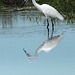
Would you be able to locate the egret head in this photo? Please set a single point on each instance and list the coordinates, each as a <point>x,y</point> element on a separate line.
<point>30,57</point>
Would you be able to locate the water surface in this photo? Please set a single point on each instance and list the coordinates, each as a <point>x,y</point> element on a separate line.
<point>27,29</point>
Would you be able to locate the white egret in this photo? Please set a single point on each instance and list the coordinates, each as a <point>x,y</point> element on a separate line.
<point>47,45</point>
<point>50,43</point>
<point>48,11</point>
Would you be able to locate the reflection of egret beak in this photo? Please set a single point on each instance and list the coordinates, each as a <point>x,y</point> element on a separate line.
<point>26,53</point>
<point>29,56</point>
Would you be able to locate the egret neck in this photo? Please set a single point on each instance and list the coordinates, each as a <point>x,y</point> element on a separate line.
<point>36,5</point>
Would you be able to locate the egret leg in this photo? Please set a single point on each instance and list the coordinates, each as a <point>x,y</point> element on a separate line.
<point>48,32</point>
<point>47,23</point>
<point>52,24</point>
<point>52,33</point>
<point>52,27</point>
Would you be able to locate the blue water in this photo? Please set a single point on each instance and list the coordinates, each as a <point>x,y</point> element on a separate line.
<point>27,29</point>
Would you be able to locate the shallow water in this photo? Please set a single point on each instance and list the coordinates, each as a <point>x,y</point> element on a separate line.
<point>27,29</point>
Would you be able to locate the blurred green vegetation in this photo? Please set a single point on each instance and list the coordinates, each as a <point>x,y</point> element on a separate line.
<point>60,5</point>
<point>0,3</point>
<point>65,6</point>
<point>12,2</point>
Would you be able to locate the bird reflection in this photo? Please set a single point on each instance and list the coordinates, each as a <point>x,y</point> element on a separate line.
<point>47,45</point>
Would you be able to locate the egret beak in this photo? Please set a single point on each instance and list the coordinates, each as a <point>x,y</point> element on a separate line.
<point>26,53</point>
<point>29,56</point>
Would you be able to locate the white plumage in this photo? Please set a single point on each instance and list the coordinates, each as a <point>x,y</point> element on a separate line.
<point>50,43</point>
<point>47,45</point>
<point>48,11</point>
<point>51,12</point>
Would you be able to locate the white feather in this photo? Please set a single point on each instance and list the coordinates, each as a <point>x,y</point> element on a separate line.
<point>48,11</point>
